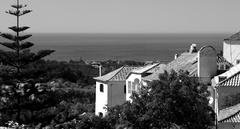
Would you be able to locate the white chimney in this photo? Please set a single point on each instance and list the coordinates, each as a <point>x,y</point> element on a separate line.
<point>176,56</point>
<point>193,48</point>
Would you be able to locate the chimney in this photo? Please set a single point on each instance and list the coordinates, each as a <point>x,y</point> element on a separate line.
<point>176,56</point>
<point>193,48</point>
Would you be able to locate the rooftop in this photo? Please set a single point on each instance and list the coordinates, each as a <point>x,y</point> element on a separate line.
<point>119,74</point>
<point>235,37</point>
<point>230,114</point>
<point>147,68</point>
<point>159,69</point>
<point>231,81</point>
<point>232,77</point>
<point>186,62</point>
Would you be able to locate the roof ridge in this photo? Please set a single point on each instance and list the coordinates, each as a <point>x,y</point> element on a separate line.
<point>228,78</point>
<point>230,116</point>
<point>154,66</point>
<point>229,108</point>
<point>117,72</point>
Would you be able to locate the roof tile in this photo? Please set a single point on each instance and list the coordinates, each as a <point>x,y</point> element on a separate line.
<point>230,114</point>
<point>222,60</point>
<point>119,74</point>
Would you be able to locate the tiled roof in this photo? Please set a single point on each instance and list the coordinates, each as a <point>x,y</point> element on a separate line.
<point>116,75</point>
<point>230,114</point>
<point>233,70</point>
<point>150,68</point>
<point>160,69</point>
<point>231,81</point>
<point>185,62</point>
<point>222,60</point>
<point>232,77</point>
<point>234,37</point>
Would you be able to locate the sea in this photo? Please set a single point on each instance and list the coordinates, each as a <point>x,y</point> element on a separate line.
<point>138,47</point>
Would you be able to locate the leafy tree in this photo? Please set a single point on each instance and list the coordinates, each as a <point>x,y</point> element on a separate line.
<point>20,96</point>
<point>175,100</point>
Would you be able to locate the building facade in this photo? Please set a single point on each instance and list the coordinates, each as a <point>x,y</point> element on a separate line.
<point>231,47</point>
<point>111,89</point>
<point>200,63</point>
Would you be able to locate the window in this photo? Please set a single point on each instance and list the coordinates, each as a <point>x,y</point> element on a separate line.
<point>136,84</point>
<point>101,88</point>
<point>238,61</point>
<point>133,87</point>
<point>227,67</point>
<point>138,87</point>
<point>222,78</point>
<point>221,67</point>
<point>125,89</point>
<point>129,87</point>
<point>100,114</point>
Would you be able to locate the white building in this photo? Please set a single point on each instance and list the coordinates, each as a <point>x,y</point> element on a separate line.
<point>231,47</point>
<point>134,79</point>
<point>111,89</point>
<point>227,85</point>
<point>201,64</point>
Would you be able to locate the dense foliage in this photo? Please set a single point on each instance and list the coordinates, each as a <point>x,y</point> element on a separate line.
<point>173,101</point>
<point>19,93</point>
<point>75,72</point>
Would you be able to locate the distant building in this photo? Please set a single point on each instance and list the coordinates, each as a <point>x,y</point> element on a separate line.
<point>231,47</point>
<point>111,89</point>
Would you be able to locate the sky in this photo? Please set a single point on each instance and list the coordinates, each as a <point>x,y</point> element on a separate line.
<point>127,16</point>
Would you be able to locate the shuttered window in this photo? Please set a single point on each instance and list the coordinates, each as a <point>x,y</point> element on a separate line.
<point>129,87</point>
<point>101,88</point>
<point>125,89</point>
<point>133,87</point>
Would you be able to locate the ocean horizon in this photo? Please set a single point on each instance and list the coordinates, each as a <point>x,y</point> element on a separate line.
<point>138,47</point>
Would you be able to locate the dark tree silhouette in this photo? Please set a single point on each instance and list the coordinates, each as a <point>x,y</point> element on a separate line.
<point>18,87</point>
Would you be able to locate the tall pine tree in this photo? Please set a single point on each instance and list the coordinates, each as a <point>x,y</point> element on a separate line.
<point>20,92</point>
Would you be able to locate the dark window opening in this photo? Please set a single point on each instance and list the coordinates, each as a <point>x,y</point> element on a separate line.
<point>100,114</point>
<point>125,89</point>
<point>227,67</point>
<point>101,87</point>
<point>222,78</point>
<point>222,67</point>
<point>238,61</point>
<point>146,74</point>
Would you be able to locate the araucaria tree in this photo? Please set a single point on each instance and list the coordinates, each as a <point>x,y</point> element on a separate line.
<point>20,91</point>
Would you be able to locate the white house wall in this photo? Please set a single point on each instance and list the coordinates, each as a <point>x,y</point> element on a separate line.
<point>224,92</point>
<point>131,78</point>
<point>207,63</point>
<point>101,98</point>
<point>231,51</point>
<point>228,126</point>
<point>116,95</point>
